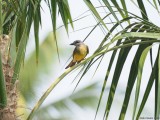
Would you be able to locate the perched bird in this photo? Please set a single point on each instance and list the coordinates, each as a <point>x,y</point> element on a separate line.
<point>79,53</point>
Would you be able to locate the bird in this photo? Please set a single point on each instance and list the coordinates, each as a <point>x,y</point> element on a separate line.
<point>80,52</point>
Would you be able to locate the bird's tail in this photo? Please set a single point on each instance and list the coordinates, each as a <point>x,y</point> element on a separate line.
<point>71,64</point>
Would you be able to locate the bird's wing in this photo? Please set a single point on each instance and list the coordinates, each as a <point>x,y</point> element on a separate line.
<point>75,50</point>
<point>87,50</point>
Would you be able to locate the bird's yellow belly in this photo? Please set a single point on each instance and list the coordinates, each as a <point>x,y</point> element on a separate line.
<point>80,54</point>
<point>79,57</point>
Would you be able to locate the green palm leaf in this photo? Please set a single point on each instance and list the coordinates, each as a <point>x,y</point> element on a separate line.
<point>148,88</point>
<point>139,77</point>
<point>17,18</point>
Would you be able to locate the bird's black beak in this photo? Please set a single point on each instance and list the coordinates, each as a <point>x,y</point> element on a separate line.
<point>72,44</point>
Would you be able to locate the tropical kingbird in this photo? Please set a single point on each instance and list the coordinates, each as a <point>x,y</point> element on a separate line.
<point>79,53</point>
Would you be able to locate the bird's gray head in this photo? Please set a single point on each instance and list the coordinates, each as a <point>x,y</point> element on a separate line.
<point>76,42</point>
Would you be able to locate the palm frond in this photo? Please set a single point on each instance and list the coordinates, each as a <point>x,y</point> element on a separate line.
<point>139,77</point>
<point>94,11</point>
<point>17,18</point>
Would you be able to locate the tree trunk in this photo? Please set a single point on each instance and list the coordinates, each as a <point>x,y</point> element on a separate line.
<point>9,112</point>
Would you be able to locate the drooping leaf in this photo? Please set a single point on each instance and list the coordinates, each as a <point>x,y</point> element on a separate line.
<point>36,34</point>
<point>20,56</point>
<point>106,2</point>
<point>158,89</point>
<point>94,11</point>
<point>148,88</point>
<point>108,70</point>
<point>131,81</point>
<point>118,7</point>
<point>106,78</point>
<point>112,29</point>
<point>132,77</point>
<point>124,7</point>
<point>155,4</point>
<point>142,8</point>
<point>18,32</point>
<point>139,77</point>
<point>119,66</point>
<point>65,15</point>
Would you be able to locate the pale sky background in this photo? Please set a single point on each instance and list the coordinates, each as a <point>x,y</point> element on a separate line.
<point>65,88</point>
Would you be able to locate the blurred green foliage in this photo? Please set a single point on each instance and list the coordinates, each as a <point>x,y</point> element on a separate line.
<point>31,71</point>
